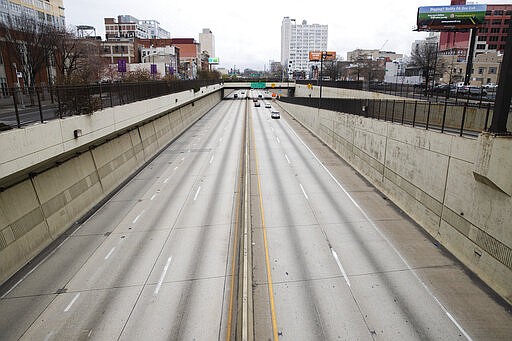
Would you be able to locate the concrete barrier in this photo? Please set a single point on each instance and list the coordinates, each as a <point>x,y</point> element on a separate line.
<point>81,173</point>
<point>458,189</point>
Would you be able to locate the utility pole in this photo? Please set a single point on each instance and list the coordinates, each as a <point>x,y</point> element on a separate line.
<point>504,93</point>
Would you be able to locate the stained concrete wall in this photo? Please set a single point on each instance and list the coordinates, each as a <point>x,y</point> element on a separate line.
<point>458,189</point>
<point>41,207</point>
<point>302,90</point>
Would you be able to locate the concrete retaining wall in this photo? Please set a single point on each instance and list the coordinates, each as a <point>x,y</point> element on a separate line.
<point>37,210</point>
<point>458,189</point>
<point>302,90</point>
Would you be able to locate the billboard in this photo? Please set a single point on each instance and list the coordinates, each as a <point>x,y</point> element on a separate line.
<point>213,60</point>
<point>446,18</point>
<point>315,56</point>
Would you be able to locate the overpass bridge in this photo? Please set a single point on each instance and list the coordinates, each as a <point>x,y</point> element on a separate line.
<point>186,216</point>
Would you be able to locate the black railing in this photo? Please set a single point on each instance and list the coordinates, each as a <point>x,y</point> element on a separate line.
<point>38,104</point>
<point>355,85</point>
<point>462,119</point>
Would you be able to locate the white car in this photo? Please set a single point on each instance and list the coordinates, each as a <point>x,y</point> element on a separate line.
<point>275,114</point>
<point>267,105</point>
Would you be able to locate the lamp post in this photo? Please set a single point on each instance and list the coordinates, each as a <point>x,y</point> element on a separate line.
<point>323,56</point>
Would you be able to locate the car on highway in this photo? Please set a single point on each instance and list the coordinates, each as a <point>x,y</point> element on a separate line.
<point>235,96</point>
<point>256,104</point>
<point>275,114</point>
<point>267,105</point>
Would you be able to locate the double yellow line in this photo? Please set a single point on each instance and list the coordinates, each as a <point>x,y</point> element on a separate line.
<point>265,242</point>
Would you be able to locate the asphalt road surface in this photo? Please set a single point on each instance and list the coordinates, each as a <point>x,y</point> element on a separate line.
<point>332,258</point>
<point>155,262</point>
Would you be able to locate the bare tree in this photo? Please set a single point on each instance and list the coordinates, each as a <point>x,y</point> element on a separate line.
<point>330,68</point>
<point>68,51</point>
<point>29,43</point>
<point>424,57</point>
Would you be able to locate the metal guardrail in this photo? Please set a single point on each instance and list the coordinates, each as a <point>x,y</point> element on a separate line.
<point>20,106</point>
<point>463,119</point>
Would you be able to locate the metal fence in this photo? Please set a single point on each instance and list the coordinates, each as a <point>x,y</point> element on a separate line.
<point>463,118</point>
<point>20,106</point>
<point>456,95</point>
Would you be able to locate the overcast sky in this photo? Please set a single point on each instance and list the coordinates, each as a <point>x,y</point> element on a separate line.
<point>248,34</point>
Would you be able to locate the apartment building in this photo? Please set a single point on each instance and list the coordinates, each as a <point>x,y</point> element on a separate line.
<point>129,27</point>
<point>297,40</point>
<point>491,37</point>
<point>49,11</point>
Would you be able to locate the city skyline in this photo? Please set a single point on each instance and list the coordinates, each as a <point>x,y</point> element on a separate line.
<point>252,38</point>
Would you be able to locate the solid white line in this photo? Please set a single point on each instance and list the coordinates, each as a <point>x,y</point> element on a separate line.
<point>72,302</point>
<point>287,159</point>
<point>162,276</point>
<point>197,193</point>
<point>367,218</point>
<point>167,179</point>
<point>137,217</point>
<point>211,160</point>
<point>303,191</point>
<point>335,255</point>
<point>110,253</point>
<point>153,197</point>
<point>278,141</point>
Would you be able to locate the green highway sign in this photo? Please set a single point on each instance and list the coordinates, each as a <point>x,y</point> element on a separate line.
<point>258,85</point>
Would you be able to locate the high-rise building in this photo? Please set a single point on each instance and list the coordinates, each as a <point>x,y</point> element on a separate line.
<point>297,40</point>
<point>50,11</point>
<point>207,42</point>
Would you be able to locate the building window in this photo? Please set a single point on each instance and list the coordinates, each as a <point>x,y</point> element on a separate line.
<point>495,30</point>
<point>481,70</point>
<point>493,47</point>
<point>492,70</point>
<point>498,12</point>
<point>480,46</point>
<point>496,22</point>
<point>502,47</point>
<point>493,38</point>
<point>482,38</point>
<point>483,30</point>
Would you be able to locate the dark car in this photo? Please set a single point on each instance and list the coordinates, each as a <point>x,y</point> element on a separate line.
<point>275,114</point>
<point>256,104</point>
<point>441,89</point>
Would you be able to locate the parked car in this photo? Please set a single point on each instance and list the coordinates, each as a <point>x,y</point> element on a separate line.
<point>476,91</point>
<point>490,86</point>
<point>441,89</point>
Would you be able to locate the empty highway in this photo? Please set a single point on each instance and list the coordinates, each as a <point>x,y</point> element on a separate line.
<point>332,259</point>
